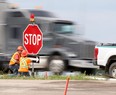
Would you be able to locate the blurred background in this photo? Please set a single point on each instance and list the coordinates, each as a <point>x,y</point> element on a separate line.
<point>95,18</point>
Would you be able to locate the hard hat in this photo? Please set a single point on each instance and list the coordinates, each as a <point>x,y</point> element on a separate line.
<point>24,53</point>
<point>20,48</point>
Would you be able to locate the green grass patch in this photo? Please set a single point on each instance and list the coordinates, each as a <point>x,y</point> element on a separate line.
<point>53,77</point>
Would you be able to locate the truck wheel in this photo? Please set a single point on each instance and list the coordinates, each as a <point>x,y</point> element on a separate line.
<point>5,68</point>
<point>56,64</point>
<point>112,70</point>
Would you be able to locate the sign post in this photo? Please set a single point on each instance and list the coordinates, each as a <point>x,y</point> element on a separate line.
<point>32,39</point>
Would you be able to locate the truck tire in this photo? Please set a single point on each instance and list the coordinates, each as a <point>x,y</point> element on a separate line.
<point>5,67</point>
<point>56,64</point>
<point>112,70</point>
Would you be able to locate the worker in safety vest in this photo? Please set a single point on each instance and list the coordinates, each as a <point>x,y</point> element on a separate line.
<point>14,62</point>
<point>24,64</point>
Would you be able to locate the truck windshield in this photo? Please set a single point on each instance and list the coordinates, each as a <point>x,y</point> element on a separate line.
<point>41,13</point>
<point>64,28</point>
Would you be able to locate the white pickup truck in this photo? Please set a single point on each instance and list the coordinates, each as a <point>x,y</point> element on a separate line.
<point>105,57</point>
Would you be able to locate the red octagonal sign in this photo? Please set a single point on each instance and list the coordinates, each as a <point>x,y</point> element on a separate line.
<point>32,39</point>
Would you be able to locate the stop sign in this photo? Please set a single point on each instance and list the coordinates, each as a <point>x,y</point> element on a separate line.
<point>32,39</point>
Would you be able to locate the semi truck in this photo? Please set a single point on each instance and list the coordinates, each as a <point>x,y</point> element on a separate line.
<point>62,47</point>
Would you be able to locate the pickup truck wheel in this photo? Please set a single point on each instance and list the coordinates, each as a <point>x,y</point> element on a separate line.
<point>112,70</point>
<point>56,64</point>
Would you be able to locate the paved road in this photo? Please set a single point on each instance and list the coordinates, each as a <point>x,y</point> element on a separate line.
<point>54,87</point>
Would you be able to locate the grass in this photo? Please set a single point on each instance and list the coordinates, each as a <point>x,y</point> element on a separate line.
<point>77,76</point>
<point>53,77</point>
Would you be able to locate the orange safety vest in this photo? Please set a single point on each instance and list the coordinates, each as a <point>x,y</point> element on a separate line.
<point>13,60</point>
<point>24,64</point>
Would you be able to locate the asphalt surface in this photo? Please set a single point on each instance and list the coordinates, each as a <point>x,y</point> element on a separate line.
<point>56,87</point>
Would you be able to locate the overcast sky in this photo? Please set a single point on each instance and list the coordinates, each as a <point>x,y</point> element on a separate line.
<point>96,18</point>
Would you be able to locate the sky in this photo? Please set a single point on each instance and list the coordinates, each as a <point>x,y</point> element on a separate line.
<point>95,18</point>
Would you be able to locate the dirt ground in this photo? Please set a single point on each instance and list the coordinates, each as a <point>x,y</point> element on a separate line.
<point>56,87</point>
